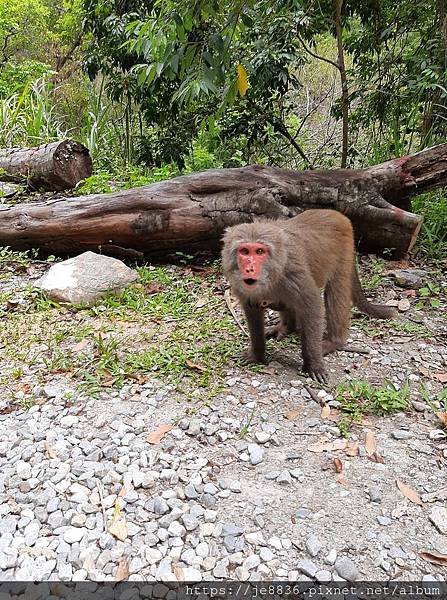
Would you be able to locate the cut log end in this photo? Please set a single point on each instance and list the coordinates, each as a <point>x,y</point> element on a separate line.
<point>55,166</point>
<point>72,164</point>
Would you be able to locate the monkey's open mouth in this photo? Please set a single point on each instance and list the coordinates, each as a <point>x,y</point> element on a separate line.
<point>250,281</point>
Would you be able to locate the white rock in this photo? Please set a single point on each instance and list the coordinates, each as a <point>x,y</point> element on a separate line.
<point>85,278</point>
<point>74,534</point>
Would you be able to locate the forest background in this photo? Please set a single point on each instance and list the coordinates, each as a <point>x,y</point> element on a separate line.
<point>159,88</point>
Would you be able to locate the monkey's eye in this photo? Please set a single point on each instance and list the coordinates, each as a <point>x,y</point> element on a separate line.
<point>244,251</point>
<point>260,251</point>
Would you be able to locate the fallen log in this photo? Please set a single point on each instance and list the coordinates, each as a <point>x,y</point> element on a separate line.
<point>189,213</point>
<point>51,167</point>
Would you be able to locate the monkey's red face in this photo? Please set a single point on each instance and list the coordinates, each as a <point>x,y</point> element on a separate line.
<point>250,259</point>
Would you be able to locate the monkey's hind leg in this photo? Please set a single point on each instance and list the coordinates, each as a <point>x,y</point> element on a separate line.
<point>286,325</point>
<point>337,301</point>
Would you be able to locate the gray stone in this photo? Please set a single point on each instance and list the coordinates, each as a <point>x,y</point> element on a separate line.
<point>331,557</point>
<point>194,427</point>
<point>191,492</point>
<point>208,500</point>
<point>230,543</point>
<point>74,534</point>
<point>410,278</point>
<point>266,554</point>
<point>256,454</point>
<point>284,477</point>
<point>307,567</point>
<point>262,437</point>
<point>303,513</point>
<point>231,529</point>
<point>438,516</point>
<point>210,488</point>
<point>313,545</point>
<point>191,575</point>
<point>160,506</point>
<point>31,533</point>
<point>401,434</point>
<point>190,522</point>
<point>323,576</point>
<point>251,562</point>
<point>346,568</point>
<point>374,494</point>
<point>85,278</point>
<point>220,570</point>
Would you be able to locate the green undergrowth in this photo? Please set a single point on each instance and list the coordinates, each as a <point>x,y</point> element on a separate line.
<point>432,240</point>
<point>359,398</point>
<point>166,325</point>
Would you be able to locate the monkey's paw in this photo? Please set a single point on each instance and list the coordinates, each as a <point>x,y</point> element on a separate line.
<point>317,372</point>
<point>249,358</point>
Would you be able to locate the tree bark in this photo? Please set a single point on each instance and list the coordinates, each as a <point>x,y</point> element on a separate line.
<point>189,213</point>
<point>50,167</point>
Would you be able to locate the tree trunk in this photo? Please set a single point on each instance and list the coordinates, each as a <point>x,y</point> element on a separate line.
<point>50,167</point>
<point>189,213</point>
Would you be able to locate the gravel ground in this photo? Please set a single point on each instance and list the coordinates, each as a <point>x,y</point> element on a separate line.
<point>232,490</point>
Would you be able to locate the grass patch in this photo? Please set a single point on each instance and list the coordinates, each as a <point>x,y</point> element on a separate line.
<point>166,325</point>
<point>409,328</point>
<point>440,397</point>
<point>432,239</point>
<point>359,398</point>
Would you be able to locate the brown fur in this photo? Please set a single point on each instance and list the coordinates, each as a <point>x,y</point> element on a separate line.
<point>307,253</point>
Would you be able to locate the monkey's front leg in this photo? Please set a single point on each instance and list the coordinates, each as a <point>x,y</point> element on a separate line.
<point>255,322</point>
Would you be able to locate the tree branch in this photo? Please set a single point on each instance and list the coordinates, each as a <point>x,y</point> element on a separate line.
<point>317,56</point>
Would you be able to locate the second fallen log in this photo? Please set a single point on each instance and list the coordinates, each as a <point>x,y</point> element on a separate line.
<point>51,167</point>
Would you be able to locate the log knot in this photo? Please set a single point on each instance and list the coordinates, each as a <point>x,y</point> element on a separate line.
<point>150,222</point>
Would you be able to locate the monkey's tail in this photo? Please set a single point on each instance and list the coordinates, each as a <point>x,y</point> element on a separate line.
<point>379,311</point>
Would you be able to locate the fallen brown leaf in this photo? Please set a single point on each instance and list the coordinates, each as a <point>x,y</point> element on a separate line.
<point>408,492</point>
<point>267,370</point>
<point>376,458</point>
<point>194,366</point>
<point>8,409</point>
<point>338,465</point>
<point>352,449</point>
<point>434,557</point>
<point>201,303</point>
<point>118,524</point>
<point>325,412</point>
<point>335,415</point>
<point>442,377</point>
<point>328,446</point>
<point>178,572</point>
<point>80,346</point>
<point>410,293</point>
<point>158,434</point>
<point>292,414</point>
<point>370,443</point>
<point>424,371</point>
<point>122,571</point>
<point>154,288</point>
<point>442,416</point>
<point>49,450</point>
<point>343,481</point>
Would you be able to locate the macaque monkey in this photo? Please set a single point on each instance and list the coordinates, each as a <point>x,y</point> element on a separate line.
<point>284,265</point>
